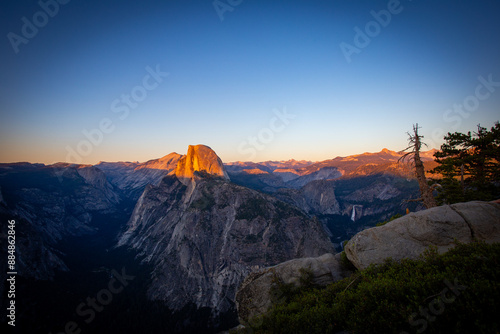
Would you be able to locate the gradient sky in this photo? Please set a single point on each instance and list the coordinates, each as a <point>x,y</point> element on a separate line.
<point>227,79</point>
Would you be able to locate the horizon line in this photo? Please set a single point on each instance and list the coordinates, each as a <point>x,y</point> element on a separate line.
<point>229,162</point>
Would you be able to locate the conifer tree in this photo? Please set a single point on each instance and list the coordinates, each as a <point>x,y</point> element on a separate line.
<point>470,165</point>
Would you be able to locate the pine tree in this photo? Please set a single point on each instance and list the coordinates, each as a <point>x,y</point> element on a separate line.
<point>415,144</point>
<point>470,165</point>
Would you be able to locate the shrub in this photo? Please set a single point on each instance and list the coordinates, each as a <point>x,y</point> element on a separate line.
<point>393,297</point>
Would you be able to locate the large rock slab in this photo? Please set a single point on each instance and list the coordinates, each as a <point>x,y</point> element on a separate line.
<point>483,219</point>
<point>409,236</point>
<point>258,291</point>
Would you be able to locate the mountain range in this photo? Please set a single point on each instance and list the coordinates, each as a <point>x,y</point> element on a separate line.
<point>195,225</point>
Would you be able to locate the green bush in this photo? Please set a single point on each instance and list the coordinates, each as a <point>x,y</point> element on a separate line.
<point>398,297</point>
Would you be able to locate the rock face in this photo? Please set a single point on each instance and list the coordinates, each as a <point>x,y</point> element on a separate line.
<point>199,158</point>
<point>409,236</point>
<point>379,191</point>
<point>204,235</point>
<point>259,290</point>
<point>315,197</point>
<point>96,178</point>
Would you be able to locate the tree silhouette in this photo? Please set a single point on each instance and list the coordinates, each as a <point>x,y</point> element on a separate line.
<point>470,165</point>
<point>415,144</point>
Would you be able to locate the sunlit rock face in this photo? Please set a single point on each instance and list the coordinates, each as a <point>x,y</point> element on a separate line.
<point>202,159</point>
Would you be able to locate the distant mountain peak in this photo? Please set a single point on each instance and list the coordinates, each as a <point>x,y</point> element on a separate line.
<point>167,162</point>
<point>199,158</point>
<point>429,154</point>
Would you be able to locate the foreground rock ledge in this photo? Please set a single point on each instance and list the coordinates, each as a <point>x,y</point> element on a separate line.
<point>409,236</point>
<point>255,295</point>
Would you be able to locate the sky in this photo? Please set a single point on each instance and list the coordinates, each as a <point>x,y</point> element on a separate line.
<point>109,80</point>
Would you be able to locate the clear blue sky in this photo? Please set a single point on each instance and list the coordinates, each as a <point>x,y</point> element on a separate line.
<point>227,79</point>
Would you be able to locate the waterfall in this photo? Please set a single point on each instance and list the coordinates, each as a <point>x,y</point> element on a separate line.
<point>353,215</point>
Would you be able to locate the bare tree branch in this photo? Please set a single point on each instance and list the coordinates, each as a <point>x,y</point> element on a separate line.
<point>415,143</point>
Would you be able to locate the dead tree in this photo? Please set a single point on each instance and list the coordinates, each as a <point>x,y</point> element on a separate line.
<point>415,143</point>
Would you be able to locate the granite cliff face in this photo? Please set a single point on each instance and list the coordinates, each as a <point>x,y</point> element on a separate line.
<point>199,159</point>
<point>204,234</point>
<point>317,197</point>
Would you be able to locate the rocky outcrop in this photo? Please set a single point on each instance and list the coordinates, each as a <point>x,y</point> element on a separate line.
<point>199,159</point>
<point>203,237</point>
<point>409,236</point>
<point>259,291</point>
